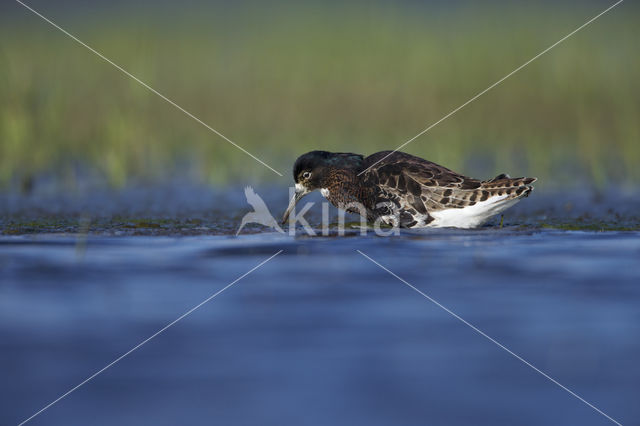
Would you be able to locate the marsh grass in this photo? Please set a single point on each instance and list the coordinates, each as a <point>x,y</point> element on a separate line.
<point>281,80</point>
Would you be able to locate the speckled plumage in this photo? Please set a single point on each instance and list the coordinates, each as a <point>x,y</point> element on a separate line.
<point>407,191</point>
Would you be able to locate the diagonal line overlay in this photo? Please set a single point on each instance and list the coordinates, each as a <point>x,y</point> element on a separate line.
<point>494,84</point>
<point>162,330</point>
<point>491,339</point>
<point>145,85</point>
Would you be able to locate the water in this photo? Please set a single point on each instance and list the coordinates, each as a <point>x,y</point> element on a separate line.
<point>319,334</point>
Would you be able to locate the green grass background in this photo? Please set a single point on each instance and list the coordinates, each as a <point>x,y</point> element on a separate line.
<point>281,79</point>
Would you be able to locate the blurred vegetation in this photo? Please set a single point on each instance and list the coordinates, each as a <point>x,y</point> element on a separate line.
<point>280,80</point>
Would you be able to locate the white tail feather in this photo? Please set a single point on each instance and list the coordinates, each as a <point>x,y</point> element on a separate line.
<point>472,216</point>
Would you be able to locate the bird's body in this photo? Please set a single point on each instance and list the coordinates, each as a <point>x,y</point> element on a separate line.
<point>403,190</point>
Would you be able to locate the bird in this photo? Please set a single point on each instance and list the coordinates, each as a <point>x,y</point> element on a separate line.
<point>402,190</point>
<point>261,213</point>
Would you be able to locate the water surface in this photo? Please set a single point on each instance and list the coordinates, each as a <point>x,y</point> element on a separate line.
<point>321,335</point>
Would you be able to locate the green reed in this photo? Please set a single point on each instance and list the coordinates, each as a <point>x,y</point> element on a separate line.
<point>284,80</point>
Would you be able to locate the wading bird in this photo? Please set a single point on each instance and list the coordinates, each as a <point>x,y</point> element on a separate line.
<point>402,190</point>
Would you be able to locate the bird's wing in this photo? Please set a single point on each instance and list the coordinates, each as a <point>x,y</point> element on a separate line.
<point>254,199</point>
<point>427,186</point>
<point>261,208</point>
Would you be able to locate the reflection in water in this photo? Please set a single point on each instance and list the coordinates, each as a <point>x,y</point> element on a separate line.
<point>320,335</point>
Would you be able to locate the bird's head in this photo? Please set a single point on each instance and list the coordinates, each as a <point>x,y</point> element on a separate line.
<point>311,170</point>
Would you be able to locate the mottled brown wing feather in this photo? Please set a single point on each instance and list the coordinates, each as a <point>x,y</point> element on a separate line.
<point>427,186</point>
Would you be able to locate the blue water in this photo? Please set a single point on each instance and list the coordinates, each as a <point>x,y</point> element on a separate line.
<point>320,335</point>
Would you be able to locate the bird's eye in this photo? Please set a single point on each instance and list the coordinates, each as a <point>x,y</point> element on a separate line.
<point>306,175</point>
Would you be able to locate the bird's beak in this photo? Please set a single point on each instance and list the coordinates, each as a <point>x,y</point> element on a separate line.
<point>301,191</point>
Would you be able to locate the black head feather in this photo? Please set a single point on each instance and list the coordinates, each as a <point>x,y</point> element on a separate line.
<point>317,162</point>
